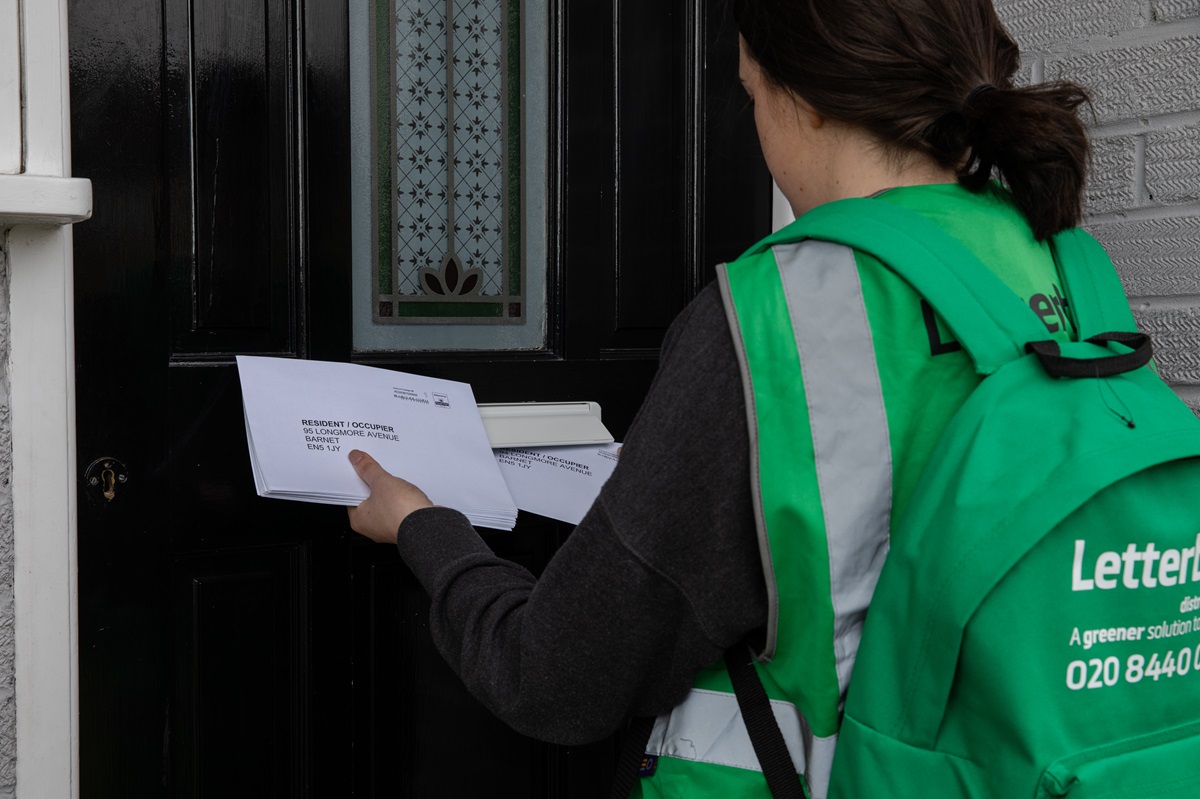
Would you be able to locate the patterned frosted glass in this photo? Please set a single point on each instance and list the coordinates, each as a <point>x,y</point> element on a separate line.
<point>448,202</point>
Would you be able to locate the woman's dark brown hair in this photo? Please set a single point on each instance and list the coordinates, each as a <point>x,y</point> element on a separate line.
<point>936,77</point>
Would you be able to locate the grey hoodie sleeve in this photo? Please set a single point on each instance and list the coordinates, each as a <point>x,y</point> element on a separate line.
<point>660,577</point>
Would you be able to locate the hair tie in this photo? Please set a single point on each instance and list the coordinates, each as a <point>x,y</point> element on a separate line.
<point>974,93</point>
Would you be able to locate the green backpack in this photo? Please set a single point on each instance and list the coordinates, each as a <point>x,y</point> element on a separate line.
<point>1036,628</point>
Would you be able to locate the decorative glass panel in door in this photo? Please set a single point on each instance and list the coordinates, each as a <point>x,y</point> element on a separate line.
<point>448,106</point>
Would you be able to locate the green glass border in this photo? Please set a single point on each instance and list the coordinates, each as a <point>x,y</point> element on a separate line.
<point>382,33</point>
<point>438,310</point>
<point>514,210</point>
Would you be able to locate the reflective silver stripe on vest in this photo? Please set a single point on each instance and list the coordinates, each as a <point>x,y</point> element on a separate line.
<point>850,435</point>
<point>854,473</point>
<point>820,766</point>
<point>707,727</point>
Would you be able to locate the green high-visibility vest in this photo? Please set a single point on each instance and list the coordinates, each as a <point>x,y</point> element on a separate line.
<point>823,473</point>
<point>824,494</point>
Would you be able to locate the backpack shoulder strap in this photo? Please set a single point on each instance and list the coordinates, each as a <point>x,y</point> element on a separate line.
<point>986,316</point>
<point>1097,296</point>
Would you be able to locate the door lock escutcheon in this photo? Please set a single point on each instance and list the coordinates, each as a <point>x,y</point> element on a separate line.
<point>103,478</point>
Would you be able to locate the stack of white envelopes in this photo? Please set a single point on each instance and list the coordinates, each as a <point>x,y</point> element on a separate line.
<point>304,417</point>
<point>558,482</point>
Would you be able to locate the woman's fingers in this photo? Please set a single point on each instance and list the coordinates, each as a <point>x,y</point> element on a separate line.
<point>391,500</point>
<point>368,468</point>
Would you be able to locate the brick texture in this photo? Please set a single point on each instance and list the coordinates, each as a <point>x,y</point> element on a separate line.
<point>1172,10</point>
<point>1173,165</point>
<point>1024,73</point>
<point>1176,335</point>
<point>1193,403</point>
<point>1040,24</point>
<point>8,699</point>
<point>1155,257</point>
<point>1136,81</point>
<point>1111,182</point>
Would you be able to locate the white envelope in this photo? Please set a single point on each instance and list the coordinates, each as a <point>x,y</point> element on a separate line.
<point>304,417</point>
<point>559,482</point>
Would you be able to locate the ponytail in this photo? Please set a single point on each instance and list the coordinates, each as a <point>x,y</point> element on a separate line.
<point>918,75</point>
<point>1033,139</point>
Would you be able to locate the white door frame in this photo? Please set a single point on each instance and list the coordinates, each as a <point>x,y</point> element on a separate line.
<point>38,201</point>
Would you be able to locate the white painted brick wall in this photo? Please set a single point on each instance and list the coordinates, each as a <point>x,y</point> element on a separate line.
<point>1173,165</point>
<point>1170,10</point>
<point>1176,334</point>
<point>1137,80</point>
<point>1115,163</point>
<point>1155,257</point>
<point>8,699</point>
<point>1041,24</point>
<point>1141,61</point>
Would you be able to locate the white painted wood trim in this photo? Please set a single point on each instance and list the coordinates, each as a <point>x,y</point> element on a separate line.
<point>47,113</point>
<point>42,374</point>
<point>10,88</point>
<point>41,369</point>
<point>42,200</point>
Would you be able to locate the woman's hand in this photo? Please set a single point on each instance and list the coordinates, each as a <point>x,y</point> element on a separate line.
<point>391,500</point>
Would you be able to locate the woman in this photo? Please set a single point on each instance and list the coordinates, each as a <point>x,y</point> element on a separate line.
<point>908,101</point>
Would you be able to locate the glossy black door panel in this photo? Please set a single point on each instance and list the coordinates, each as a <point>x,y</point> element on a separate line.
<point>235,646</point>
<point>241,673</point>
<point>231,90</point>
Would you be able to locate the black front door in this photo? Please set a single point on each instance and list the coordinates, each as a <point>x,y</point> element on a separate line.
<point>237,646</point>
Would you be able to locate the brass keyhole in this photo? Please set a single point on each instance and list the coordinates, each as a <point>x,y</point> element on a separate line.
<point>102,477</point>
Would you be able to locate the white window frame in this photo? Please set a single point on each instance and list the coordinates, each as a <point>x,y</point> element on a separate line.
<point>38,202</point>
